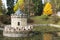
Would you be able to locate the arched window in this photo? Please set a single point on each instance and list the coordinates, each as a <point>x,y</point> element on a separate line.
<point>18,23</point>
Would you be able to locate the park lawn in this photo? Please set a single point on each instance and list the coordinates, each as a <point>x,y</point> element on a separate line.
<point>43,20</point>
<point>40,20</point>
<point>46,29</point>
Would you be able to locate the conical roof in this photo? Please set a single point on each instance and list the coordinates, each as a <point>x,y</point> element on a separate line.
<point>18,12</point>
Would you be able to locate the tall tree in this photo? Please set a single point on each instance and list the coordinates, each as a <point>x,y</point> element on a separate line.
<point>56,3</point>
<point>30,6</point>
<point>47,9</point>
<point>34,7</point>
<point>0,6</point>
<point>19,4</point>
<point>38,7</point>
<point>10,5</point>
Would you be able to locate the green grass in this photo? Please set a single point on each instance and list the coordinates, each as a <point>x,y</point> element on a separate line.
<point>39,20</point>
<point>46,20</point>
<point>46,29</point>
<point>42,20</point>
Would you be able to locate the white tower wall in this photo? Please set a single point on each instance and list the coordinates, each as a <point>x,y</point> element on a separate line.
<point>23,22</point>
<point>16,19</point>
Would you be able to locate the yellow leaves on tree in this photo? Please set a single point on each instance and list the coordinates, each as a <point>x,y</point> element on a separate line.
<point>19,4</point>
<point>47,9</point>
<point>16,7</point>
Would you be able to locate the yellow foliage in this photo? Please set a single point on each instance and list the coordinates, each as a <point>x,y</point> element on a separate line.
<point>47,9</point>
<point>16,7</point>
<point>19,4</point>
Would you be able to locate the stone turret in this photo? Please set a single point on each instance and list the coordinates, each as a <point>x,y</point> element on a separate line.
<point>18,25</point>
<point>19,19</point>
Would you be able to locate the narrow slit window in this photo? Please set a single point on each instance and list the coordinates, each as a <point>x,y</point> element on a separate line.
<point>18,23</point>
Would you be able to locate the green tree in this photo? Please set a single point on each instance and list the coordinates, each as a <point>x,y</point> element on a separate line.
<point>38,7</point>
<point>10,5</point>
<point>0,7</point>
<point>33,6</point>
<point>56,3</point>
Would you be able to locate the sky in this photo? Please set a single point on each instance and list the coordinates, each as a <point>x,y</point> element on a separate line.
<point>43,1</point>
<point>4,2</point>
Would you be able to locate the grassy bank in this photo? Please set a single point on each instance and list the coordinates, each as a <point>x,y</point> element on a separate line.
<point>46,20</point>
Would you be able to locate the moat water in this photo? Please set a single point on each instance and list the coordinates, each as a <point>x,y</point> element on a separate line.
<point>37,36</point>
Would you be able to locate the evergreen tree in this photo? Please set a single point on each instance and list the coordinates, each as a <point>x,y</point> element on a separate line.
<point>10,5</point>
<point>38,7</point>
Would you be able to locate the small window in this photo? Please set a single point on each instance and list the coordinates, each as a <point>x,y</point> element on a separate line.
<point>18,23</point>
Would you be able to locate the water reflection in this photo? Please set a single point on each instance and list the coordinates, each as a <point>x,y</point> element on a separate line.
<point>36,36</point>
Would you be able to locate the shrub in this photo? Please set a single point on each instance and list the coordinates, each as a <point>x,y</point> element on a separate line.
<point>44,17</point>
<point>30,21</point>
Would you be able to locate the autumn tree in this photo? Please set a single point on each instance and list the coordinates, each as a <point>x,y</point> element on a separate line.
<point>47,9</point>
<point>30,6</point>
<point>19,4</point>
